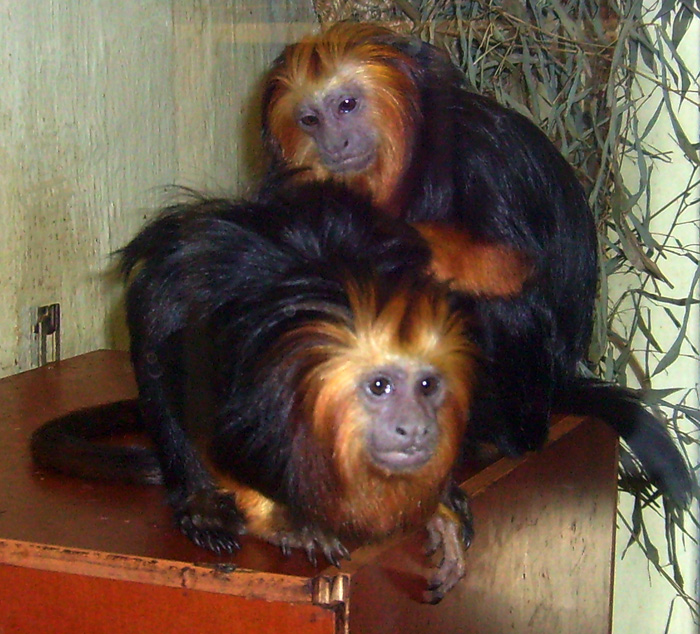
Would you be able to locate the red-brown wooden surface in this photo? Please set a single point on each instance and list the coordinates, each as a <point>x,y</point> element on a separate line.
<point>86,557</point>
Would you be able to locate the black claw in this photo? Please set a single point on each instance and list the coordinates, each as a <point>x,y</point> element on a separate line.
<point>332,558</point>
<point>434,597</point>
<point>311,555</point>
<point>219,543</point>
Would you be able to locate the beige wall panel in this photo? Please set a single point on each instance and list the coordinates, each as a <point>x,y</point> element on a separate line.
<point>84,134</point>
<point>103,106</point>
<point>222,50</point>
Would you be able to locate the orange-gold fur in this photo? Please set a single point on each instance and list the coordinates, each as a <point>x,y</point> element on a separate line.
<point>317,64</point>
<point>414,329</point>
<point>491,270</point>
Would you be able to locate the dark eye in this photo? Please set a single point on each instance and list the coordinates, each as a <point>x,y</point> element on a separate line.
<point>380,386</point>
<point>347,105</point>
<point>309,120</point>
<point>428,385</point>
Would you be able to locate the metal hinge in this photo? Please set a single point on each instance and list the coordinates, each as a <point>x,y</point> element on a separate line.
<point>46,334</point>
<point>332,592</point>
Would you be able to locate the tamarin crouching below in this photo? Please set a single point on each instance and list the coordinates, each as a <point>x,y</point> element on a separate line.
<point>339,378</point>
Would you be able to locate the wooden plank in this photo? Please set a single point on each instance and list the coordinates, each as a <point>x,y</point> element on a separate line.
<point>105,106</point>
<point>220,577</point>
<point>87,141</point>
<point>50,509</point>
<point>59,603</point>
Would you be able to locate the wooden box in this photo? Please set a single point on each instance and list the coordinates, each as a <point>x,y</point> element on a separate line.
<point>78,557</point>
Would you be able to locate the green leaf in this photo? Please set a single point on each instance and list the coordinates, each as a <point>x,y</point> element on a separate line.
<point>689,149</point>
<point>674,351</point>
<point>686,78</point>
<point>658,396</point>
<point>648,334</point>
<point>681,23</point>
<point>667,7</point>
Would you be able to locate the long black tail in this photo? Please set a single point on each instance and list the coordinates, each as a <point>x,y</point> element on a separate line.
<point>646,435</point>
<point>71,445</point>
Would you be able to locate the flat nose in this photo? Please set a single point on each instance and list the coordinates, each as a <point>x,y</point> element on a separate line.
<point>412,430</point>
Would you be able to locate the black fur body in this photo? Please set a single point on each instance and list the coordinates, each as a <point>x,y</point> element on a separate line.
<point>489,171</point>
<point>216,292</point>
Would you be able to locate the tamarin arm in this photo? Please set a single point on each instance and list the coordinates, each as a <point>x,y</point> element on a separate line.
<point>451,533</point>
<point>477,268</point>
<point>269,520</point>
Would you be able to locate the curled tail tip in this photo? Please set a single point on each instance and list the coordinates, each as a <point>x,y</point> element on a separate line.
<point>689,493</point>
<point>662,463</point>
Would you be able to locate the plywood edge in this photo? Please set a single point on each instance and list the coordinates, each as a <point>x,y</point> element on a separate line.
<point>501,467</point>
<point>214,578</point>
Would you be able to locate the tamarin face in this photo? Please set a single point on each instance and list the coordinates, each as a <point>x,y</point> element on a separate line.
<point>344,105</point>
<point>386,394</point>
<point>403,402</point>
<point>336,119</point>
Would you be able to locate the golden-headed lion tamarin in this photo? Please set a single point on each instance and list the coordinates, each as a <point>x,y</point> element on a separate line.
<point>390,116</point>
<point>339,378</point>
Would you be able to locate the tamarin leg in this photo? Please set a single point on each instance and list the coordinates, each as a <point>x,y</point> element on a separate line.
<point>205,514</point>
<point>486,270</point>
